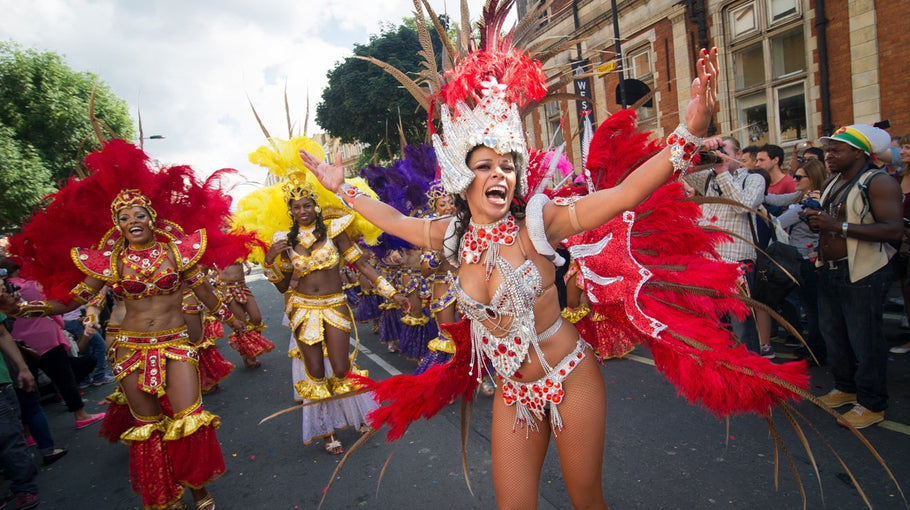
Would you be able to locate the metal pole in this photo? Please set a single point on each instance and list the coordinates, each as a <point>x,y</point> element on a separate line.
<point>619,64</point>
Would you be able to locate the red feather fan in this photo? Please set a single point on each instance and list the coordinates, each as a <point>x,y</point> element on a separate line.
<point>665,286</point>
<point>79,215</point>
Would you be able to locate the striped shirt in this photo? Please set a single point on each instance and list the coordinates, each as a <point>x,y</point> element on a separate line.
<point>741,186</point>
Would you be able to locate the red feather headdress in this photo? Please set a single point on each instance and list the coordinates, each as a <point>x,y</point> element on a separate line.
<point>79,215</point>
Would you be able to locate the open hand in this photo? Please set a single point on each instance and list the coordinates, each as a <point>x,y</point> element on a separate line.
<point>274,250</point>
<point>704,93</point>
<point>329,176</point>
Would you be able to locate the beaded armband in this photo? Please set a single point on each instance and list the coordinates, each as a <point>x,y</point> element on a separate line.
<point>384,288</point>
<point>348,193</point>
<point>271,272</point>
<point>683,146</point>
<point>352,254</point>
<point>194,279</point>
<point>222,312</point>
<point>82,293</point>
<point>32,309</point>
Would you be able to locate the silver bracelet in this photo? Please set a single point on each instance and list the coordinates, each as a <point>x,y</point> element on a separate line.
<point>348,193</point>
<point>683,147</point>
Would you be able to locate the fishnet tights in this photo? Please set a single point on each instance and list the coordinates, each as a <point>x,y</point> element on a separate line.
<point>517,461</point>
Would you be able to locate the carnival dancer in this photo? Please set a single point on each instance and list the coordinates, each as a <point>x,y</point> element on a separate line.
<point>145,258</point>
<point>350,284</point>
<point>320,319</point>
<point>213,368</point>
<point>505,255</point>
<point>390,315</point>
<point>232,288</point>
<point>368,311</point>
<point>304,264</point>
<point>404,186</point>
<point>442,303</point>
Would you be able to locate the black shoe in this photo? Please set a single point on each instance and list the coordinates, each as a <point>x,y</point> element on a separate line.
<point>54,456</point>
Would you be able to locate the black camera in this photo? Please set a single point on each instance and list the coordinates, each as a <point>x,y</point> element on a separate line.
<point>708,158</point>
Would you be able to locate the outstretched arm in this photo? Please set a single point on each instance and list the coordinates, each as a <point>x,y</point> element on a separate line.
<point>81,293</point>
<point>600,207</point>
<point>418,232</point>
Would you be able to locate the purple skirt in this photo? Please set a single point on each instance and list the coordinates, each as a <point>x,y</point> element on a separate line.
<point>414,340</point>
<point>367,308</point>
<point>353,298</point>
<point>432,359</point>
<point>390,325</point>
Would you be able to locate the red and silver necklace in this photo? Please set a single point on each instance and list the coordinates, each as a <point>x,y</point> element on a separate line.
<point>479,238</point>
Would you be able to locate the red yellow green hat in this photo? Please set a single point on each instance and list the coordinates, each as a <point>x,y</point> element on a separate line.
<point>864,137</point>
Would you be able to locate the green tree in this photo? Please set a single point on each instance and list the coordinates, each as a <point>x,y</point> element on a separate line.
<point>364,103</point>
<point>46,105</point>
<point>24,180</point>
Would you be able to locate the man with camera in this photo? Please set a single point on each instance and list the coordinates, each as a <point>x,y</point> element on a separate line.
<point>860,213</point>
<point>727,179</point>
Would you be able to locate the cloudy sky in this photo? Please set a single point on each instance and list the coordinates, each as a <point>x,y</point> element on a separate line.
<point>189,66</point>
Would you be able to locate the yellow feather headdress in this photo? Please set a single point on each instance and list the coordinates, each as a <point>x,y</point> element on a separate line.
<point>265,210</point>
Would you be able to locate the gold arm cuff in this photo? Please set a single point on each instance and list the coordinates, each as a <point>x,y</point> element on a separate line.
<point>82,293</point>
<point>384,288</point>
<point>271,272</point>
<point>352,254</point>
<point>32,309</point>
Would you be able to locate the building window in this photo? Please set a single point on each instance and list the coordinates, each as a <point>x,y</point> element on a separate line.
<point>769,71</point>
<point>554,117</point>
<point>639,66</point>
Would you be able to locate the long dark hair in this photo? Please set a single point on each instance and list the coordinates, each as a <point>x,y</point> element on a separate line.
<point>319,231</point>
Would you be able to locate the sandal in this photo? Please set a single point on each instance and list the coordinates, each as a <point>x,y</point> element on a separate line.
<point>206,503</point>
<point>209,391</point>
<point>334,447</point>
<point>251,362</point>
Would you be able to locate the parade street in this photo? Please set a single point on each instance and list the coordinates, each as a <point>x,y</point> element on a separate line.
<point>661,452</point>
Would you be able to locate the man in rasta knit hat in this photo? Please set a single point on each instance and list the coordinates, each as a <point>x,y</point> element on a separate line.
<point>861,212</point>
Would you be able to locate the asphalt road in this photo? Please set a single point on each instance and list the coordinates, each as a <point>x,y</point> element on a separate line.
<point>661,453</point>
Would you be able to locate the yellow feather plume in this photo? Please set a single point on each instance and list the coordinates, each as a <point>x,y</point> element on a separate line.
<point>265,210</point>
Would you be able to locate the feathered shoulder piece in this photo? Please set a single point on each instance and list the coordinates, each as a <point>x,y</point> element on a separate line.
<point>79,215</point>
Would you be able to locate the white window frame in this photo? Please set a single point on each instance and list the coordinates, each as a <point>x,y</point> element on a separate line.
<point>763,35</point>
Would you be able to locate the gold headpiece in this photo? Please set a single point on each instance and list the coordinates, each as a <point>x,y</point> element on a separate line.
<point>131,198</point>
<point>297,187</point>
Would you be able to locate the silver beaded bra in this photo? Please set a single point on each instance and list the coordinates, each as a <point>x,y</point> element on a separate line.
<point>511,310</point>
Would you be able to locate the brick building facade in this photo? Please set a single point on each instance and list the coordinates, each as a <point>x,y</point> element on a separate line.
<point>772,78</point>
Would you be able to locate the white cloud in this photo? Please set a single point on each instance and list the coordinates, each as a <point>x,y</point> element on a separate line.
<point>190,66</point>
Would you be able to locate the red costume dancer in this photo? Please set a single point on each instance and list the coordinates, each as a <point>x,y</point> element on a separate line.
<point>231,287</point>
<point>213,368</point>
<point>146,258</point>
<point>646,263</point>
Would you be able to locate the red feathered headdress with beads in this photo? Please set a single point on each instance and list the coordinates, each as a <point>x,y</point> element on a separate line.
<point>79,215</point>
